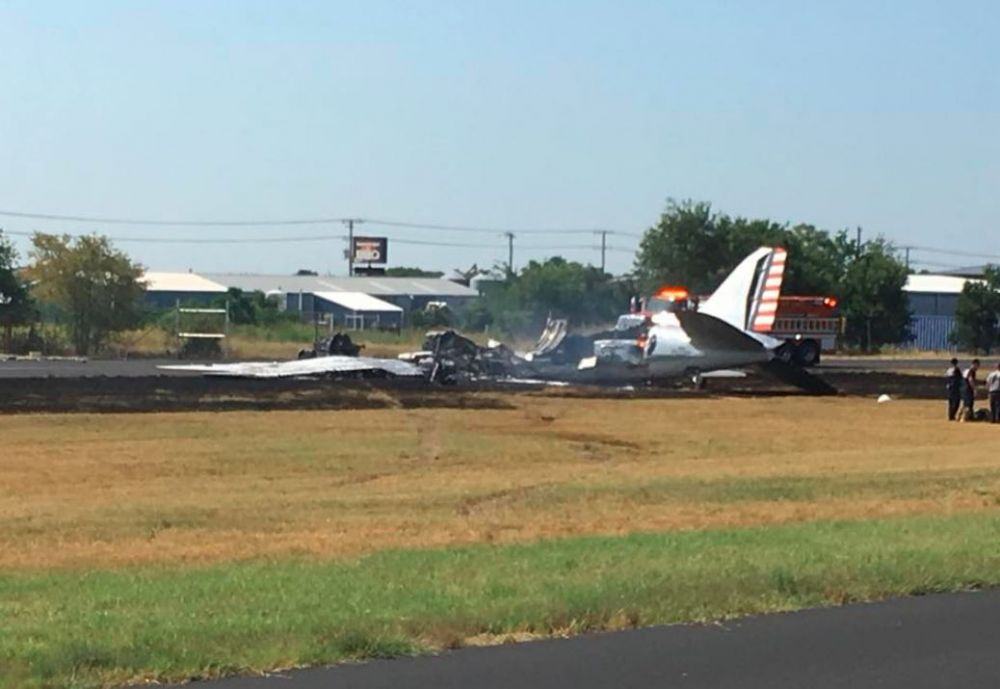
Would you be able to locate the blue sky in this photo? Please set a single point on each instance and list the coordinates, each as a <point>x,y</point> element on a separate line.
<point>504,114</point>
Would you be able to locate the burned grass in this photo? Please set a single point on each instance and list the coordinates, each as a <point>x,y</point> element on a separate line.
<point>107,491</point>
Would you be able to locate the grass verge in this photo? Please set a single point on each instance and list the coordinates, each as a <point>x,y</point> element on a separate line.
<point>112,627</point>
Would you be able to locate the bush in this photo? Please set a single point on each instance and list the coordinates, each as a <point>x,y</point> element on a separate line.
<point>437,317</point>
<point>200,348</point>
<point>50,340</point>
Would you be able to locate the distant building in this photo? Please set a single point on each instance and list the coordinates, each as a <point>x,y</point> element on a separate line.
<point>313,294</point>
<point>967,271</point>
<point>164,290</point>
<point>349,310</point>
<point>933,299</point>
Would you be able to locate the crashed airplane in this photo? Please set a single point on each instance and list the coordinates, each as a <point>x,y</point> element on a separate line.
<point>669,338</point>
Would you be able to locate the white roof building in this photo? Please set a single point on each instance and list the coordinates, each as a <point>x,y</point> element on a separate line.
<point>358,301</point>
<point>378,286</point>
<point>157,281</point>
<point>935,284</point>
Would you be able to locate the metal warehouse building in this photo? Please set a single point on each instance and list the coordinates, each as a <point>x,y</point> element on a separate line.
<point>351,310</point>
<point>933,299</point>
<point>164,289</point>
<point>318,294</point>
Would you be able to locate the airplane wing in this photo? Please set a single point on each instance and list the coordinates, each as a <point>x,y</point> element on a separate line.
<point>304,368</point>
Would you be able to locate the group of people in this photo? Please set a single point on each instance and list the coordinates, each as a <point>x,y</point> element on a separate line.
<point>962,386</point>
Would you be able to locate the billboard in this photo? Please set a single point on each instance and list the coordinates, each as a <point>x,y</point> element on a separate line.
<point>371,249</point>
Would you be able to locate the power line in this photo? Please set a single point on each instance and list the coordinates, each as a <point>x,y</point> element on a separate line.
<point>934,264</point>
<point>168,223</point>
<point>444,227</point>
<point>950,252</point>
<point>321,238</point>
<point>490,230</point>
<point>198,240</point>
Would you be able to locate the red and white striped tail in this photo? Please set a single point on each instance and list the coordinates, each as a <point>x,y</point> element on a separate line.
<point>765,306</point>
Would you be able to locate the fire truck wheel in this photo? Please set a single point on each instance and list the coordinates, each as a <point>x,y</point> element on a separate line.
<point>807,353</point>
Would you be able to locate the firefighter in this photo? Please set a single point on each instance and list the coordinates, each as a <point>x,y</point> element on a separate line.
<point>954,382</point>
<point>969,391</point>
<point>993,387</point>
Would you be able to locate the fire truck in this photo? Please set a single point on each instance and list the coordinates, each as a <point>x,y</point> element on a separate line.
<point>808,326</point>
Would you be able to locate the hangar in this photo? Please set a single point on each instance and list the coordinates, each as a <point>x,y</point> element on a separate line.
<point>353,302</point>
<point>165,289</point>
<point>311,295</point>
<point>933,299</point>
<point>353,310</point>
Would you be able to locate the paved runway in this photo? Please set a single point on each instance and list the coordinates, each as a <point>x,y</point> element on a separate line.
<point>866,364</point>
<point>915,643</point>
<point>67,368</point>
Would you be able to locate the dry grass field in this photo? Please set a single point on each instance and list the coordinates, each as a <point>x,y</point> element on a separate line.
<point>107,491</point>
<point>142,547</point>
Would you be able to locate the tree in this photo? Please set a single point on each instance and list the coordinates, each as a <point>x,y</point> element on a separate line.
<point>693,247</point>
<point>557,287</point>
<point>96,285</point>
<point>240,305</point>
<point>252,308</point>
<point>817,261</point>
<point>872,297</point>
<point>567,289</point>
<point>977,313</point>
<point>15,302</point>
<point>684,248</point>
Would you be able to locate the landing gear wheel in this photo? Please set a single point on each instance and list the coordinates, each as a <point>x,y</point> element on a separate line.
<point>807,353</point>
<point>697,380</point>
<point>786,352</point>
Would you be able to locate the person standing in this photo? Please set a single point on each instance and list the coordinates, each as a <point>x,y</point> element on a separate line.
<point>953,376</point>
<point>993,387</point>
<point>969,391</point>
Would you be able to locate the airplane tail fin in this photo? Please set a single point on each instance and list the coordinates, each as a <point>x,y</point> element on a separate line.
<point>748,298</point>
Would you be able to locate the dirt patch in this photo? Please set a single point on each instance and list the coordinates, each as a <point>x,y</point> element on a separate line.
<point>590,439</point>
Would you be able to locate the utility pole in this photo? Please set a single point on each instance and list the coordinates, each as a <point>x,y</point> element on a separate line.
<point>907,259</point>
<point>859,241</point>
<point>510,253</point>
<point>604,248</point>
<point>350,244</point>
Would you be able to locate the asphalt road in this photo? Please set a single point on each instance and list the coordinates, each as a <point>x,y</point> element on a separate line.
<point>914,643</point>
<point>867,364</point>
<point>68,368</point>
